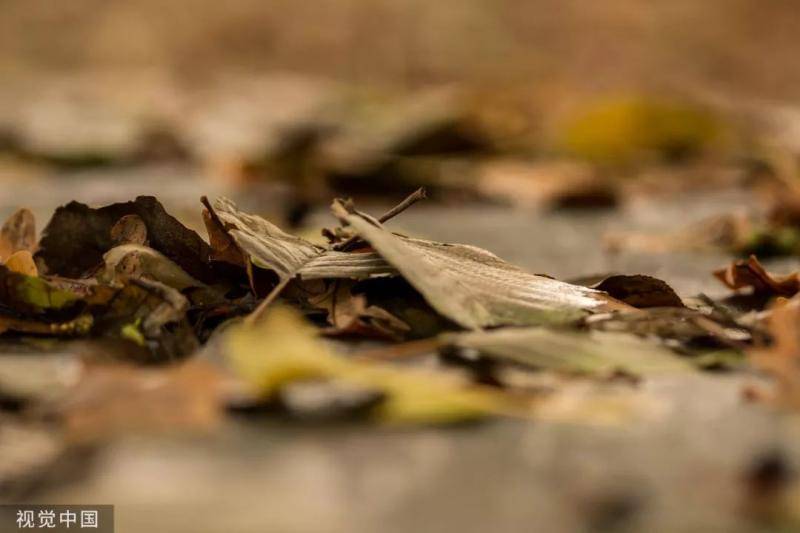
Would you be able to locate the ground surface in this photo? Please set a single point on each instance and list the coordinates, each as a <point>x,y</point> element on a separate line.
<point>678,467</point>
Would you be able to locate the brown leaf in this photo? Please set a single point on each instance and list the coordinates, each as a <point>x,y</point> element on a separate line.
<point>640,291</point>
<point>223,247</point>
<point>751,274</point>
<point>77,236</point>
<point>350,314</point>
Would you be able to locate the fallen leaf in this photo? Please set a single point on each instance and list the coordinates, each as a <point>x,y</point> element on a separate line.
<point>350,314</point>
<point>77,236</point>
<point>473,287</point>
<point>571,351</point>
<point>26,294</point>
<point>223,247</point>
<point>134,260</point>
<point>145,313</point>
<point>270,248</point>
<point>640,291</point>
<point>751,274</point>
<point>294,354</point>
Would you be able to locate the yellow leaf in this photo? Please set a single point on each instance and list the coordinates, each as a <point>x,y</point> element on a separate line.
<point>283,348</point>
<point>22,262</point>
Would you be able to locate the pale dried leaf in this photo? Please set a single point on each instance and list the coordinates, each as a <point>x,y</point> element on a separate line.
<point>270,248</point>
<point>572,351</point>
<point>473,287</point>
<point>134,260</point>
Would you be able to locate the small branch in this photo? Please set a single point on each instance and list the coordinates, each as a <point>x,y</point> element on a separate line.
<point>253,317</point>
<point>410,200</point>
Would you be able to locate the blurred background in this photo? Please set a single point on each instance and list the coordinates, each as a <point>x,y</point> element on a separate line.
<point>534,102</point>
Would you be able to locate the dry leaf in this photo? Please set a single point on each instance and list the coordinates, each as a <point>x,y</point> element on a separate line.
<point>133,260</point>
<point>751,274</point>
<point>572,351</point>
<point>349,314</point>
<point>473,287</point>
<point>77,236</point>
<point>268,247</point>
<point>640,291</point>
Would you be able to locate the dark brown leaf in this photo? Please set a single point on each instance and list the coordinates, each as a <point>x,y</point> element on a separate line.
<point>75,239</point>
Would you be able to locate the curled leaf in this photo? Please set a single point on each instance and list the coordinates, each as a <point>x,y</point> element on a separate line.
<point>750,273</point>
<point>268,247</point>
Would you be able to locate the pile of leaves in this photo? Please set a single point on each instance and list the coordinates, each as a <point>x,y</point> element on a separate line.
<point>374,325</point>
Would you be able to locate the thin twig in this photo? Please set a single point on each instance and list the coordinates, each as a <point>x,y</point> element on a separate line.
<point>410,200</point>
<point>253,317</point>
